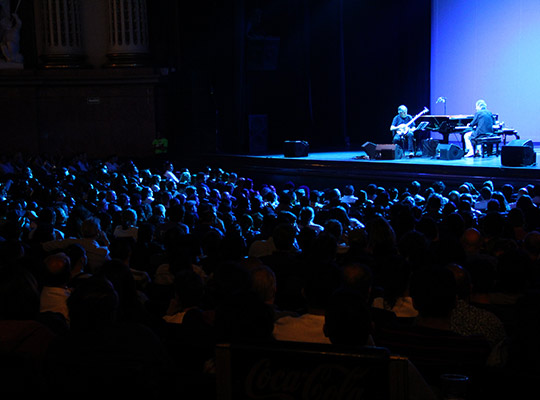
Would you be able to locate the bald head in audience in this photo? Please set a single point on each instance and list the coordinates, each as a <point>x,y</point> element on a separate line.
<point>472,241</point>
<point>264,283</point>
<point>57,269</point>
<point>531,245</point>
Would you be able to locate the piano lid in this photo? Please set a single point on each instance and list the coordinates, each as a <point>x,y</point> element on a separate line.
<point>452,117</point>
<point>448,117</point>
<point>446,123</point>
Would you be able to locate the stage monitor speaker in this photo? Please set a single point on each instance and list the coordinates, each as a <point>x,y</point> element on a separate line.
<point>389,151</point>
<point>450,152</point>
<point>429,147</point>
<point>518,153</point>
<point>295,148</point>
<point>370,149</point>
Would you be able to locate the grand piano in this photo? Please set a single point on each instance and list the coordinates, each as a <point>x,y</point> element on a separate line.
<point>457,124</point>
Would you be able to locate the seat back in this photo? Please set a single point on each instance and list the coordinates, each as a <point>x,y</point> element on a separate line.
<point>305,370</point>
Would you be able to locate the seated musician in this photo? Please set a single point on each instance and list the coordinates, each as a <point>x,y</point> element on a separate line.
<point>482,126</point>
<point>403,129</point>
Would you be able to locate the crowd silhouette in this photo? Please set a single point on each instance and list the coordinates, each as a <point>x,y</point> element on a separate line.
<point>120,278</point>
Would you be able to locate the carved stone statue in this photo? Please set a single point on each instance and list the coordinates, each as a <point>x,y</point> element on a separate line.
<point>10,29</point>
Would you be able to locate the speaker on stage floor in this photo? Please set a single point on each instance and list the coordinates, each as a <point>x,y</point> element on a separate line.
<point>450,152</point>
<point>370,149</point>
<point>389,151</point>
<point>429,147</point>
<point>295,148</point>
<point>518,153</point>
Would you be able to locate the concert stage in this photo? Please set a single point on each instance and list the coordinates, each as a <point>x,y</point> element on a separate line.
<point>335,169</point>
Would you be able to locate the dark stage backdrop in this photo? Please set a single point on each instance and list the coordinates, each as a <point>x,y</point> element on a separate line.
<point>252,74</point>
<point>388,64</point>
<point>343,68</point>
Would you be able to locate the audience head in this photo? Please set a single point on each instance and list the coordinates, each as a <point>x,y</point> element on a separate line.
<point>19,293</point>
<point>514,271</point>
<point>492,225</point>
<point>307,214</point>
<point>381,236</point>
<point>429,227</point>
<point>189,289</point>
<point>57,270</point>
<point>123,281</point>
<point>415,187</point>
<point>90,228</point>
<point>334,227</point>
<point>433,291</point>
<point>47,216</point>
<point>348,190</point>
<point>241,315</point>
<point>264,283</point>
<point>463,281</point>
<point>472,241</point>
<point>284,236</point>
<point>129,218</point>
<point>340,214</point>
<point>77,258</point>
<point>92,304</point>
<point>507,190</point>
<point>322,279</point>
<point>358,278</point>
<point>531,244</point>
<point>486,192</point>
<point>347,319</point>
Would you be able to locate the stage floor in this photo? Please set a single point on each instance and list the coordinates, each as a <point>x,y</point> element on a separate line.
<point>491,161</point>
<point>337,168</point>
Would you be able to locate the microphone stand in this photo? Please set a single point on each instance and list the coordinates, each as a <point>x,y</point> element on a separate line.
<point>442,100</point>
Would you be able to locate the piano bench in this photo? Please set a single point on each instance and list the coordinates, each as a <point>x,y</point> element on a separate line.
<point>490,145</point>
<point>508,132</point>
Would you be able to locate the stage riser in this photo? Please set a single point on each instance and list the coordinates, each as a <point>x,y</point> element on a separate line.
<point>322,174</point>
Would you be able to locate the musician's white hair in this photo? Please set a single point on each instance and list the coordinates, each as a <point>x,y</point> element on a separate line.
<point>402,108</point>
<point>481,104</point>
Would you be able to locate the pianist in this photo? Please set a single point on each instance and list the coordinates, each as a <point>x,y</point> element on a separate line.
<point>482,126</point>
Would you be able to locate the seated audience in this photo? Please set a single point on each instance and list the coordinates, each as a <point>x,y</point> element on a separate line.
<point>257,249</point>
<point>103,355</point>
<point>430,343</point>
<point>468,320</point>
<point>93,240</point>
<point>24,339</point>
<point>55,290</point>
<point>319,283</point>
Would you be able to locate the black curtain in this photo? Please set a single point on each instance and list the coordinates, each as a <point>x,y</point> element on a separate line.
<point>331,72</point>
<point>387,61</point>
<point>343,68</point>
<point>303,94</point>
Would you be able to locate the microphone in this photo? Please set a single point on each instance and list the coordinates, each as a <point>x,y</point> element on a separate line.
<point>441,100</point>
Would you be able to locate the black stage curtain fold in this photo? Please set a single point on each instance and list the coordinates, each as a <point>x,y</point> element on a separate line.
<point>331,72</point>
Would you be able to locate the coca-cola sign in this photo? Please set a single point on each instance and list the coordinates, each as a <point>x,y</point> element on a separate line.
<point>289,373</point>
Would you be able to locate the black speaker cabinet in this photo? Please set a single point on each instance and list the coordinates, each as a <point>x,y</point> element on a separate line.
<point>450,152</point>
<point>295,148</point>
<point>370,149</point>
<point>389,151</point>
<point>429,147</point>
<point>518,153</point>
